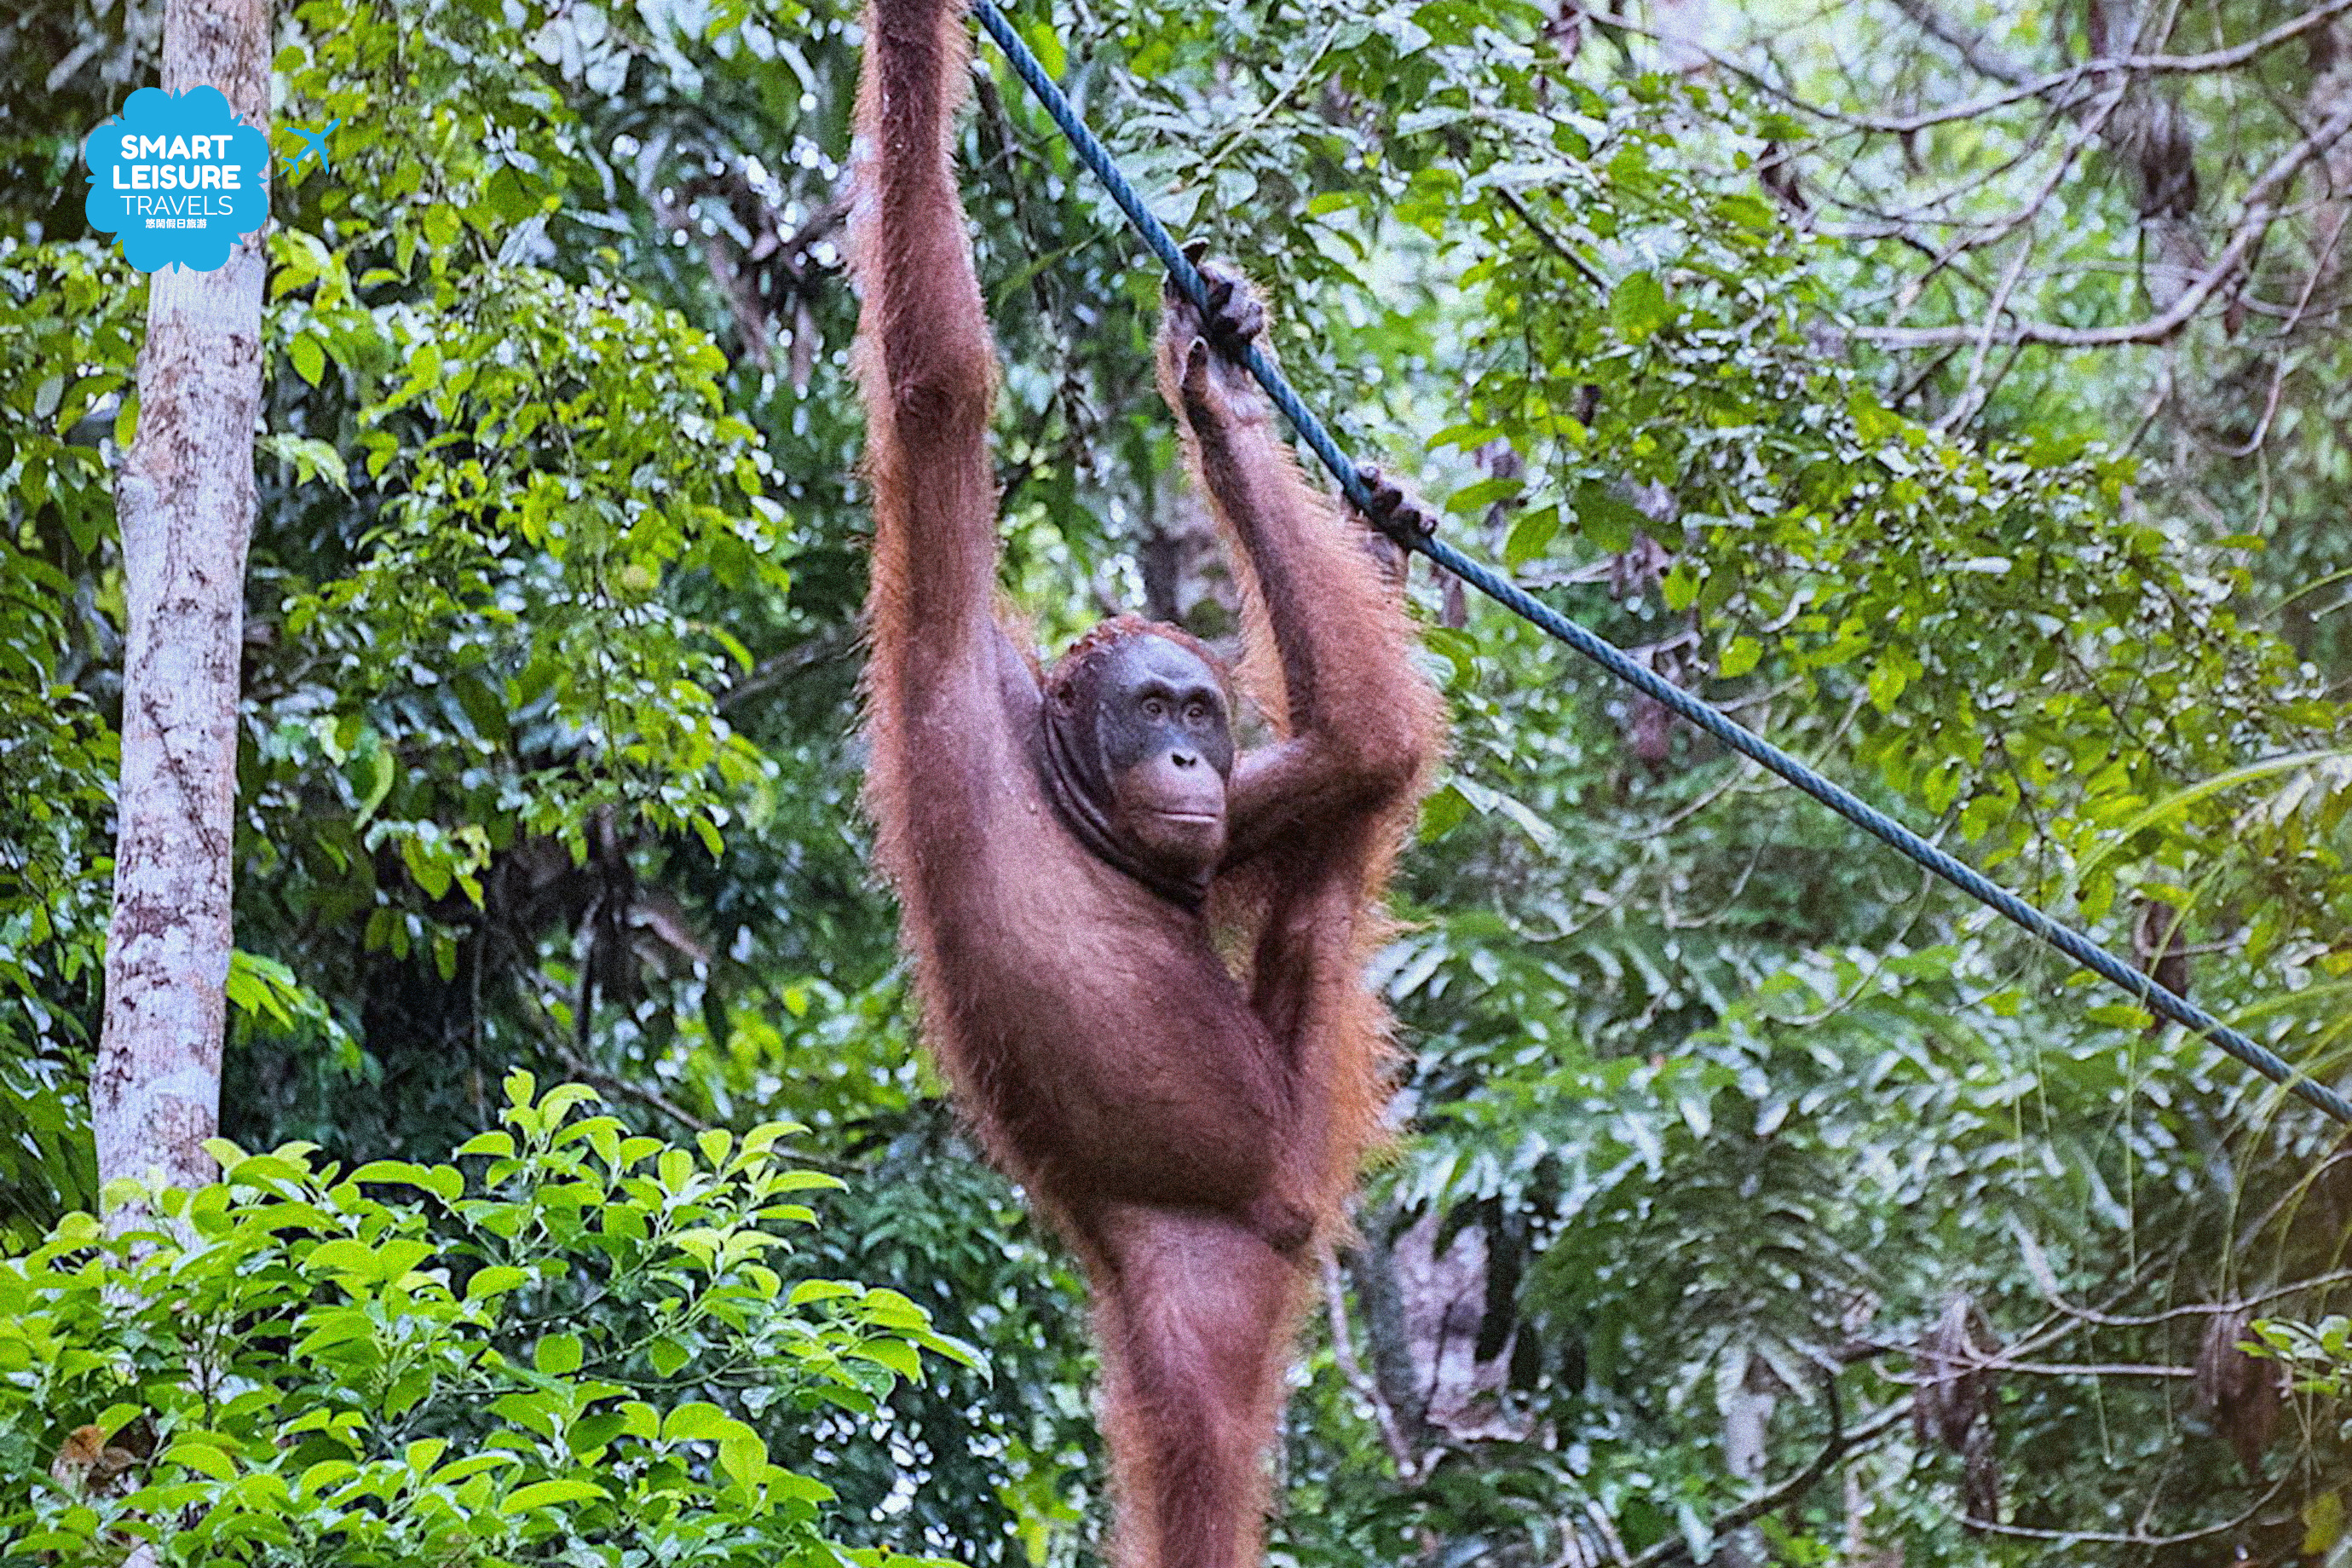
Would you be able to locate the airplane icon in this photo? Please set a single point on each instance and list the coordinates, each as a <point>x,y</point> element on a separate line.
<point>316,146</point>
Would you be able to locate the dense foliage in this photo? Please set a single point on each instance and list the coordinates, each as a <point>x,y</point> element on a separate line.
<point>1962,407</point>
<point>491,1366</point>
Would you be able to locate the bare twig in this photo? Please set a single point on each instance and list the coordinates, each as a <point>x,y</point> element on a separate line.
<point>780,668</point>
<point>2319,269</point>
<point>1841,1442</point>
<point>1552,242</point>
<point>2259,214</point>
<point>2132,1538</point>
<point>2020,81</point>
<point>588,1072</point>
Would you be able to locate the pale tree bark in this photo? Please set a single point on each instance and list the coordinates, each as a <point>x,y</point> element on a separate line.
<point>1747,1397</point>
<point>186,497</point>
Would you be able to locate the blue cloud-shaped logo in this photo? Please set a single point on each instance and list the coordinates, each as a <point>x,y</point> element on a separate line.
<point>178,177</point>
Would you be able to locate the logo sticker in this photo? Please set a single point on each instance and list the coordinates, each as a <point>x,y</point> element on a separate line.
<point>314,145</point>
<point>178,178</point>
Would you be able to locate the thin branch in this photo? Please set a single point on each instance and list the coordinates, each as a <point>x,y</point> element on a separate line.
<point>1841,1442</point>
<point>1553,243</point>
<point>588,1072</point>
<point>1965,404</point>
<point>2132,1538</point>
<point>1980,55</point>
<point>2319,269</point>
<point>2021,83</point>
<point>2260,214</point>
<point>1985,60</point>
<point>2199,1309</point>
<point>780,668</point>
<point>1972,1362</point>
<point>2204,62</point>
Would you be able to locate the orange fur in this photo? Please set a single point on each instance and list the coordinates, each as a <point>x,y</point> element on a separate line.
<point>1187,1095</point>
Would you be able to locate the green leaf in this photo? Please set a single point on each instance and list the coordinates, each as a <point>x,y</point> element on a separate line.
<point>401,1171</point>
<point>558,1355</point>
<point>495,1280</point>
<point>811,1291</point>
<point>1638,307</point>
<point>552,1494</point>
<point>343,1255</point>
<point>457,1470</point>
<point>1607,518</point>
<point>896,1354</point>
<point>381,772</point>
<point>205,1459</point>
<point>744,1457</point>
<point>310,359</point>
<point>442,226</point>
<point>395,1258</point>
<point>1480,494</point>
<point>1532,536</point>
<point>511,195</point>
<point>698,1420</point>
<point>1444,810</point>
<point>1885,684</point>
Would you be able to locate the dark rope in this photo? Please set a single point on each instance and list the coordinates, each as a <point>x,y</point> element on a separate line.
<point>2142,989</point>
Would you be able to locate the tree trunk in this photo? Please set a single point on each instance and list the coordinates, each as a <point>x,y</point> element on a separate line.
<point>186,497</point>
<point>1746,1405</point>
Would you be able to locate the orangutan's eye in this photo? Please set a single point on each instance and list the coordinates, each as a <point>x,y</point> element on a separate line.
<point>1154,709</point>
<point>1197,714</point>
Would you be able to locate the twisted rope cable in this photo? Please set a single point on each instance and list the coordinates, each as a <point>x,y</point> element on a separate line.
<point>2143,989</point>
